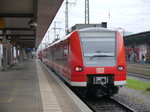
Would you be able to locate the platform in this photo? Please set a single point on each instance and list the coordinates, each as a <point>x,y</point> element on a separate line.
<point>31,87</point>
<point>138,68</point>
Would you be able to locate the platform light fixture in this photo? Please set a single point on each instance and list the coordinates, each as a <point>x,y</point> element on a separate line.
<point>32,23</point>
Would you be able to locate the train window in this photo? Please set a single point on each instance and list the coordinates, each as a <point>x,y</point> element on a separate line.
<point>65,52</point>
<point>98,48</point>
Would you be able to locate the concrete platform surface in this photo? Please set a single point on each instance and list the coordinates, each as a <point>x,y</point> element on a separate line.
<point>19,89</point>
<point>31,87</point>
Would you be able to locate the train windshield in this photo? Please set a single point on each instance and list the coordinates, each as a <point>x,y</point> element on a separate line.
<point>98,48</point>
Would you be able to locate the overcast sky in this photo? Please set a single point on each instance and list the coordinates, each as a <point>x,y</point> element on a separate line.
<point>131,15</point>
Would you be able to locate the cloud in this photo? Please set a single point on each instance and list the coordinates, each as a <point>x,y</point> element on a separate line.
<point>131,15</point>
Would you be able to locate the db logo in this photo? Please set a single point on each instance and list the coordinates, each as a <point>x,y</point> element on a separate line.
<point>99,70</point>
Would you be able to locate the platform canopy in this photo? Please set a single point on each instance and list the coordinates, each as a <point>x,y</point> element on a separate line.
<point>138,38</point>
<point>16,17</point>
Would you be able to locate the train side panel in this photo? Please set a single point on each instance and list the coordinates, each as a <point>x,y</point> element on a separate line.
<point>77,78</point>
<point>120,76</point>
<point>59,59</point>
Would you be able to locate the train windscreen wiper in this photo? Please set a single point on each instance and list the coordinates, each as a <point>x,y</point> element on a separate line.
<point>102,55</point>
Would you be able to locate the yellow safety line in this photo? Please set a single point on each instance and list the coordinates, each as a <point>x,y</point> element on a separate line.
<point>15,91</point>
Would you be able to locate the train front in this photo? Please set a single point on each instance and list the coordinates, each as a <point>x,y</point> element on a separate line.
<point>103,57</point>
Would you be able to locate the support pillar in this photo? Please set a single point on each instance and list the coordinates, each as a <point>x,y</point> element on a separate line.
<point>4,60</point>
<point>16,53</point>
<point>8,53</point>
<point>21,53</point>
<point>12,54</point>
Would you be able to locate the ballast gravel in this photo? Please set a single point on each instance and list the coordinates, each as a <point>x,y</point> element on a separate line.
<point>136,100</point>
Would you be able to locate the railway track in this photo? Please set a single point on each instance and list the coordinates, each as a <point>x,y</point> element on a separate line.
<point>139,75</point>
<point>106,105</point>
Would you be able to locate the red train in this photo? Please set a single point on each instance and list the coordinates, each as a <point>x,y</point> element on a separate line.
<point>91,59</point>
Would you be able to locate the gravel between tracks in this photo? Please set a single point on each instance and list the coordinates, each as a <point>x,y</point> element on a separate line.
<point>137,100</point>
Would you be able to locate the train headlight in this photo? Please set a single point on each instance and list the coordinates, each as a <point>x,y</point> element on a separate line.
<point>78,69</point>
<point>120,68</point>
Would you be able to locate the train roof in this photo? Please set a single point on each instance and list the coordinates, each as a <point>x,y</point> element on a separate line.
<point>99,29</point>
<point>61,39</point>
<point>95,29</point>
